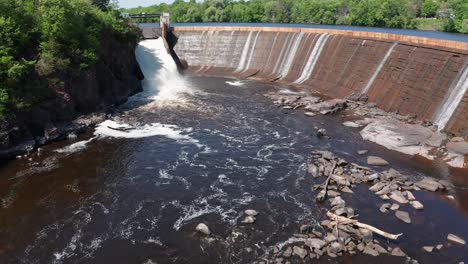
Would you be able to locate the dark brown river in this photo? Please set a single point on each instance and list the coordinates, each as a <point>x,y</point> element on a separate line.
<point>195,150</point>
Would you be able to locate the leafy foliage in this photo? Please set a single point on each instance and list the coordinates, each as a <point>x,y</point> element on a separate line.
<point>453,14</point>
<point>47,39</point>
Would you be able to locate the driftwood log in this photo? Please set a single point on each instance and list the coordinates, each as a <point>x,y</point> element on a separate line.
<point>323,193</point>
<point>343,220</point>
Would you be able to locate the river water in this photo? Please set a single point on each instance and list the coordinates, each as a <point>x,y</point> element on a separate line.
<point>194,149</point>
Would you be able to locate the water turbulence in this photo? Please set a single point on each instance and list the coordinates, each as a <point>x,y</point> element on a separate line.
<point>312,61</point>
<point>189,150</point>
<point>162,79</point>
<point>452,100</point>
<point>379,68</point>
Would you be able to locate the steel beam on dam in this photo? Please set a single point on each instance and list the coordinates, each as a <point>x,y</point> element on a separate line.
<point>419,77</point>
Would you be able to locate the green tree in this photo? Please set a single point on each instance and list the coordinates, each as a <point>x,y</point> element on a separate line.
<point>429,8</point>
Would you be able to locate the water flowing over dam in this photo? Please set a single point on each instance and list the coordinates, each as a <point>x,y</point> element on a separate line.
<point>197,147</point>
<point>410,79</point>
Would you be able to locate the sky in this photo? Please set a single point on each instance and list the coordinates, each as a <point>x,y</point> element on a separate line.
<point>136,3</point>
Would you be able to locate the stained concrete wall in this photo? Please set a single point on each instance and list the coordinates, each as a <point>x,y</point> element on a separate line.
<point>413,80</point>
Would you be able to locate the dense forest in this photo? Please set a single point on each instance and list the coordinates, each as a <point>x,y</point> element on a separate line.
<point>442,15</point>
<point>45,42</point>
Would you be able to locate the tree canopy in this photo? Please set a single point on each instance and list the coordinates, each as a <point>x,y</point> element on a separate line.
<point>45,41</point>
<point>453,14</point>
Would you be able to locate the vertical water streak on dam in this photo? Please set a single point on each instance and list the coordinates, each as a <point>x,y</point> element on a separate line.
<point>379,68</point>
<point>245,51</point>
<point>291,55</point>
<point>452,100</point>
<point>252,51</point>
<point>313,58</point>
<point>280,58</point>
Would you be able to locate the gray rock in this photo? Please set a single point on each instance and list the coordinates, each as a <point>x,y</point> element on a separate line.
<point>288,252</point>
<point>410,195</point>
<point>380,249</point>
<point>377,187</point>
<point>394,207</point>
<point>311,114</point>
<point>337,202</point>
<point>403,216</point>
<point>351,124</point>
<point>366,235</point>
<point>362,152</point>
<point>428,248</point>
<point>370,251</point>
<point>398,197</point>
<point>398,252</point>
<point>346,189</point>
<point>202,228</point>
<point>372,177</point>
<point>306,228</point>
<point>428,185</point>
<point>302,253</point>
<point>417,205</point>
<point>376,161</point>
<point>456,239</point>
<point>249,220</point>
<point>327,155</point>
<point>315,243</point>
<point>251,212</point>
<point>335,248</point>
<point>333,193</point>
<point>361,246</point>
<point>321,132</point>
<point>439,247</point>
<point>342,162</point>
<point>313,170</point>
<point>330,238</point>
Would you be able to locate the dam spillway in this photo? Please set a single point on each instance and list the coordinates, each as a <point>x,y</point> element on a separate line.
<point>406,75</point>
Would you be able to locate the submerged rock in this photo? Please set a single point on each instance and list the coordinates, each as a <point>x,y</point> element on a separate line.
<point>249,220</point>
<point>251,212</point>
<point>403,216</point>
<point>398,252</point>
<point>456,239</point>
<point>428,184</point>
<point>362,152</point>
<point>351,124</point>
<point>428,248</point>
<point>417,205</point>
<point>202,228</point>
<point>376,161</point>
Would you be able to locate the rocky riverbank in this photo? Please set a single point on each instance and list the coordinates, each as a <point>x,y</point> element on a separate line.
<point>391,130</point>
<point>114,78</point>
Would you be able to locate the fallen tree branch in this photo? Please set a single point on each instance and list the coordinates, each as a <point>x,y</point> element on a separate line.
<point>323,193</point>
<point>362,225</point>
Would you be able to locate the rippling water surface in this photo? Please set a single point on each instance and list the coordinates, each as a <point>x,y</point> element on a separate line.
<point>133,190</point>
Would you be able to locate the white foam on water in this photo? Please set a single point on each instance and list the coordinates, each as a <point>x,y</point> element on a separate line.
<point>452,100</point>
<point>162,78</point>
<point>291,55</point>
<point>379,68</point>
<point>313,58</point>
<point>75,147</point>
<point>235,83</point>
<point>113,129</point>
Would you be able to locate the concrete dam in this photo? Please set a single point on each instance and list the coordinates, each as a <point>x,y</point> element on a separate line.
<point>419,77</point>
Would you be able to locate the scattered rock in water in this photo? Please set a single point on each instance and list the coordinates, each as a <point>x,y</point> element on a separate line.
<point>302,253</point>
<point>288,252</point>
<point>439,247</point>
<point>428,248</point>
<point>394,207</point>
<point>249,220</point>
<point>377,187</point>
<point>456,239</point>
<point>314,170</point>
<point>403,216</point>
<point>251,212</point>
<point>321,132</point>
<point>374,177</point>
<point>370,251</point>
<point>384,207</point>
<point>315,243</point>
<point>398,197</point>
<point>351,124</point>
<point>376,161</point>
<point>203,228</point>
<point>410,195</point>
<point>366,235</point>
<point>398,252</point>
<point>346,189</point>
<point>337,202</point>
<point>428,184</point>
<point>417,205</point>
<point>311,114</point>
<point>362,152</point>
